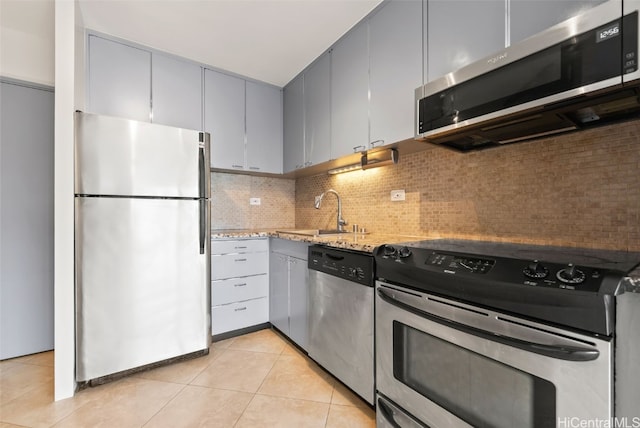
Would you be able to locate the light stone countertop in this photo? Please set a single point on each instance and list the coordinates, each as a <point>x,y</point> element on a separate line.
<point>364,242</point>
<point>350,241</point>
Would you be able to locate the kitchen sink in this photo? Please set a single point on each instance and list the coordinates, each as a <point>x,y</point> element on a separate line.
<point>312,232</point>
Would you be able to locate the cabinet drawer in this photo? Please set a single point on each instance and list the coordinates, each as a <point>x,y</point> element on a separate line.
<point>234,316</point>
<point>239,246</point>
<point>239,289</point>
<point>235,265</point>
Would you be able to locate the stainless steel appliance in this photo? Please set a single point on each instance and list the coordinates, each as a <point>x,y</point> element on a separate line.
<point>341,316</point>
<point>579,73</point>
<point>482,334</point>
<point>142,245</point>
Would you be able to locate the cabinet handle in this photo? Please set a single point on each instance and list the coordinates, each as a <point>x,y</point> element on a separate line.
<point>240,248</point>
<point>239,285</point>
<point>357,149</point>
<point>237,166</point>
<point>240,260</point>
<point>254,168</point>
<point>244,308</point>
<point>376,142</point>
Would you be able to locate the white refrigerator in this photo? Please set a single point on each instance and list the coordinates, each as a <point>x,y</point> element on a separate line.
<point>142,245</point>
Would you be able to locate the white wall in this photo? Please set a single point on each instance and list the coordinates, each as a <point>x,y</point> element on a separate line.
<point>27,40</point>
<point>65,46</point>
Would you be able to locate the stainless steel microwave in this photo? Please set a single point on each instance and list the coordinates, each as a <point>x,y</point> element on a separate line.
<point>579,73</point>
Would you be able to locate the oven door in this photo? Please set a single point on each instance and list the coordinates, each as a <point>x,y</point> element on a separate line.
<point>450,364</point>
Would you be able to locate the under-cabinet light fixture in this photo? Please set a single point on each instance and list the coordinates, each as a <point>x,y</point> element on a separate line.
<point>346,168</point>
<point>381,158</point>
<point>371,160</point>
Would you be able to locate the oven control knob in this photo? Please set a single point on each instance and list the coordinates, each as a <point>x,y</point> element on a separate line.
<point>571,275</point>
<point>404,252</point>
<point>536,270</point>
<point>389,251</point>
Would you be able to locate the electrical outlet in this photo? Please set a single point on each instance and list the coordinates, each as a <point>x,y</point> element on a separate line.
<point>397,195</point>
<point>254,201</point>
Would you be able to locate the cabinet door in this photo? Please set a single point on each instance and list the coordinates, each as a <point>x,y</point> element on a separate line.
<point>298,292</point>
<point>177,92</point>
<point>349,93</point>
<point>529,17</point>
<point>293,125</point>
<point>264,128</point>
<point>119,80</point>
<point>317,111</point>
<point>224,119</point>
<point>279,292</point>
<point>395,58</point>
<point>460,32</point>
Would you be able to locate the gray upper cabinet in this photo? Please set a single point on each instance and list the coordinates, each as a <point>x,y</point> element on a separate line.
<point>264,128</point>
<point>293,125</point>
<point>119,80</point>
<point>177,92</point>
<point>317,111</point>
<point>460,32</point>
<point>529,17</point>
<point>350,93</point>
<point>224,110</point>
<point>395,56</point>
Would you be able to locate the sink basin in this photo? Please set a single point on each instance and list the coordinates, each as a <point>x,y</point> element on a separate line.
<point>312,232</point>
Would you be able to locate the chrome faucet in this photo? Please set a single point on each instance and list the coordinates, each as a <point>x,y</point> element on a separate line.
<point>340,223</point>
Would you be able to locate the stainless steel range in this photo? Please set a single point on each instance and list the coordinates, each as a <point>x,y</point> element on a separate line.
<point>483,334</point>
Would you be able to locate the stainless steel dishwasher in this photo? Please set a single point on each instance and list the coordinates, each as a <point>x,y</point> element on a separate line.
<point>341,316</point>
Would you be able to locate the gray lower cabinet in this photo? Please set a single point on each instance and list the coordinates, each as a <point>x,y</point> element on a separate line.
<point>395,70</point>
<point>239,284</point>
<point>460,32</point>
<point>529,17</point>
<point>293,108</point>
<point>264,128</point>
<point>26,219</point>
<point>224,105</point>
<point>350,93</point>
<point>288,289</point>
<point>119,79</point>
<point>177,92</point>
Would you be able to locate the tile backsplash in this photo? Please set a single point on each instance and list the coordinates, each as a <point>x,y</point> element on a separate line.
<point>230,208</point>
<point>578,189</point>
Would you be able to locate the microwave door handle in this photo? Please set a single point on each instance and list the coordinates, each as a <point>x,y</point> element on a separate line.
<point>568,353</point>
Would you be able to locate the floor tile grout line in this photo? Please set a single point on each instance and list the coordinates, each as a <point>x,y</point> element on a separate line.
<point>165,404</point>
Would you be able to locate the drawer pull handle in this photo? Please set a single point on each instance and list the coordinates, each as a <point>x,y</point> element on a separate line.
<point>239,285</point>
<point>244,308</point>
<point>240,248</point>
<point>240,260</point>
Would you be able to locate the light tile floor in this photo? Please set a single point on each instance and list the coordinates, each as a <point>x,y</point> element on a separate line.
<point>255,380</point>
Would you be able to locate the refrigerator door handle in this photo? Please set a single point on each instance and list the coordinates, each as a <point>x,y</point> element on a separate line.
<point>203,200</point>
<point>203,223</point>
<point>202,188</point>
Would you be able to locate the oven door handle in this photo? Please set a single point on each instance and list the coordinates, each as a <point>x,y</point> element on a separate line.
<point>568,353</point>
<point>403,421</point>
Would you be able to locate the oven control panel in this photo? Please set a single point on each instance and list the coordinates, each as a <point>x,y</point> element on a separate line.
<point>456,263</point>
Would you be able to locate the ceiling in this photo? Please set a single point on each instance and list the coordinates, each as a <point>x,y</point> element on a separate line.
<point>267,40</point>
